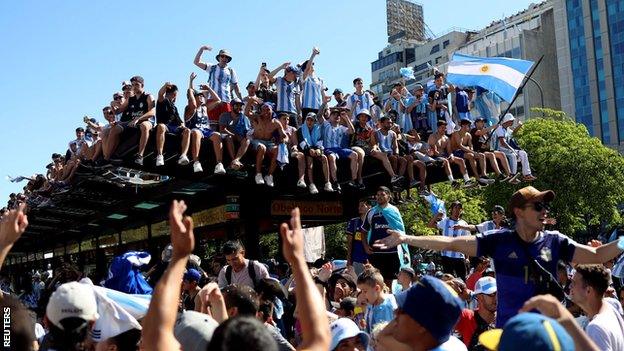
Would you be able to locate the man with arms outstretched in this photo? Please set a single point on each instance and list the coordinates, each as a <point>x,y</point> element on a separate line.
<point>515,252</point>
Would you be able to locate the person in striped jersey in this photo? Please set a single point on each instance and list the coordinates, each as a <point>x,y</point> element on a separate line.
<point>452,261</point>
<point>221,78</point>
<point>498,221</point>
<point>398,102</point>
<point>360,99</point>
<point>386,141</point>
<point>333,134</point>
<point>313,87</point>
<point>288,99</point>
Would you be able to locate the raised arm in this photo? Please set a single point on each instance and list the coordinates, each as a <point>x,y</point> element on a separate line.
<point>275,71</point>
<point>464,244</point>
<point>162,91</point>
<point>161,316</point>
<point>308,70</point>
<point>348,122</point>
<point>198,61</point>
<point>314,323</point>
<point>12,226</point>
<point>190,94</point>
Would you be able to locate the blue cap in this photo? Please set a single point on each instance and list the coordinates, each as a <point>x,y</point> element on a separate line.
<point>192,274</point>
<point>432,297</point>
<point>528,331</point>
<point>293,69</point>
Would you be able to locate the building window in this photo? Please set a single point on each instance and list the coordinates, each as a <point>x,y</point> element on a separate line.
<point>410,55</point>
<point>445,44</point>
<point>615,21</point>
<point>434,49</point>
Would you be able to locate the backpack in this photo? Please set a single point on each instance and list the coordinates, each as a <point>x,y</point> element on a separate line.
<point>250,270</point>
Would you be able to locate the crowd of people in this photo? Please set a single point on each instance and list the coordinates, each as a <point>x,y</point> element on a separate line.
<point>515,284</point>
<point>287,116</point>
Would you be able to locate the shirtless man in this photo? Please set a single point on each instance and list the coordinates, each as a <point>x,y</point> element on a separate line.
<point>460,146</point>
<point>264,127</point>
<point>438,144</point>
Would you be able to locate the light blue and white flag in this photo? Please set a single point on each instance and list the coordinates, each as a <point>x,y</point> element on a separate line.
<point>498,74</point>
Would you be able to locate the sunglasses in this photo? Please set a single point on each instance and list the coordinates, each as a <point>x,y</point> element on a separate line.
<point>540,206</point>
<point>117,98</point>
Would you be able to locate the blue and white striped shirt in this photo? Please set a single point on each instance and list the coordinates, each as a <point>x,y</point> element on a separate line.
<point>333,136</point>
<point>286,95</point>
<point>220,79</point>
<point>366,102</point>
<point>486,226</point>
<point>312,92</point>
<point>446,226</point>
<point>385,141</point>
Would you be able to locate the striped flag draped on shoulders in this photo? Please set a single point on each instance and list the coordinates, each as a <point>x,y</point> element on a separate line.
<point>498,74</point>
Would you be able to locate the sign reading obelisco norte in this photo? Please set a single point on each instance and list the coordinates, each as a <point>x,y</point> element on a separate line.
<point>307,208</point>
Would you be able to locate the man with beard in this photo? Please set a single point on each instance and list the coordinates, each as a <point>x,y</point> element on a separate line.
<point>472,323</point>
<point>264,128</point>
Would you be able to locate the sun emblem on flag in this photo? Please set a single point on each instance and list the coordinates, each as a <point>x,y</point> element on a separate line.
<point>485,68</point>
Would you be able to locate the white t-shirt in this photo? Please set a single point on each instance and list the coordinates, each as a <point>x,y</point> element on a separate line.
<point>452,344</point>
<point>606,329</point>
<point>242,277</point>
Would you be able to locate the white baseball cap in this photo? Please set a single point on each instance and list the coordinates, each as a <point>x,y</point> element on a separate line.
<point>485,285</point>
<point>344,328</point>
<point>72,300</point>
<point>508,117</point>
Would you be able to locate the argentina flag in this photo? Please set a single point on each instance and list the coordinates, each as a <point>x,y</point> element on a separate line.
<point>498,74</point>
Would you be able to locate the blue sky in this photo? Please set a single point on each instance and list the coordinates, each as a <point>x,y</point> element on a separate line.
<point>62,60</point>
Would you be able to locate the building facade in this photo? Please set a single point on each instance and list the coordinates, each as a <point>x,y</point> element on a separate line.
<point>405,20</point>
<point>420,56</point>
<point>590,51</point>
<point>527,35</point>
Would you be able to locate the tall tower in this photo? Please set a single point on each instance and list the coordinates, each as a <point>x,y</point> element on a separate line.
<point>405,20</point>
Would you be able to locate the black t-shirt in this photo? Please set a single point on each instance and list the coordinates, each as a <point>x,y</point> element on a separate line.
<point>478,142</point>
<point>267,95</point>
<point>441,99</point>
<point>167,113</point>
<point>137,106</point>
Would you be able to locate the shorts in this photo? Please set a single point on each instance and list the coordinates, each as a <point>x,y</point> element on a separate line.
<point>269,144</point>
<point>206,133</point>
<point>125,125</point>
<point>465,115</point>
<point>387,263</point>
<point>459,153</point>
<point>339,152</point>
<point>215,113</point>
<point>174,129</point>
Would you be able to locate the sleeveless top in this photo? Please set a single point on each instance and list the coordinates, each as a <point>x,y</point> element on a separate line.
<point>200,119</point>
<point>384,141</point>
<point>137,106</point>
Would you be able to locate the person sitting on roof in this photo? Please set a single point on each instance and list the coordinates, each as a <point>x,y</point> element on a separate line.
<point>504,142</point>
<point>264,127</point>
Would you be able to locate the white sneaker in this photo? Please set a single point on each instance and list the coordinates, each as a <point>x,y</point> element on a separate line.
<point>259,179</point>
<point>313,189</point>
<point>268,180</point>
<point>219,169</point>
<point>328,187</point>
<point>301,183</point>
<point>183,160</point>
<point>160,160</point>
<point>197,167</point>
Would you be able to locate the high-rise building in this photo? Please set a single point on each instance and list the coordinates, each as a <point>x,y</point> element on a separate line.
<point>405,20</point>
<point>590,52</point>
<point>528,34</point>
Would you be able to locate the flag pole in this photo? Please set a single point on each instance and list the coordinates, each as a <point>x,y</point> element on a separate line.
<point>524,82</point>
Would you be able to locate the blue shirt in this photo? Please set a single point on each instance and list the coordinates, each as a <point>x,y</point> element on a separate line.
<point>312,92</point>
<point>378,226</point>
<point>461,102</point>
<point>366,102</point>
<point>286,95</point>
<point>446,226</point>
<point>384,312</point>
<point>509,254</point>
<point>357,248</point>
<point>333,137</point>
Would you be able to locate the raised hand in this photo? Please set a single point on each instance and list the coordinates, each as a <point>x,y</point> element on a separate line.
<point>285,64</point>
<point>394,239</point>
<point>181,226</point>
<point>292,239</point>
<point>203,87</point>
<point>13,225</point>
<point>193,76</point>
<point>316,51</point>
<point>325,271</point>
<point>547,305</point>
<point>206,47</point>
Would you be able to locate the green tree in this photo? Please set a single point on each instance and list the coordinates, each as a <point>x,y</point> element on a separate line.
<point>586,176</point>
